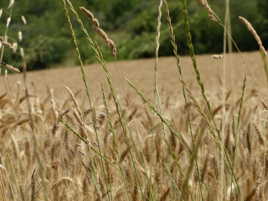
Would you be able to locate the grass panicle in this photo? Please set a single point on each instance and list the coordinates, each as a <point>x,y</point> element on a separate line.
<point>263,52</point>
<point>212,15</point>
<point>110,43</point>
<point>157,46</point>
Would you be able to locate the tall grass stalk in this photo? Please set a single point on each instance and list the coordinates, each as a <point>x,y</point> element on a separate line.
<point>215,18</point>
<point>102,63</point>
<point>98,54</point>
<point>185,186</point>
<point>238,124</point>
<point>194,63</point>
<point>175,49</point>
<point>154,109</point>
<point>82,68</point>
<point>113,133</point>
<point>203,92</point>
<point>193,57</point>
<point>226,44</point>
<point>175,52</point>
<point>157,44</point>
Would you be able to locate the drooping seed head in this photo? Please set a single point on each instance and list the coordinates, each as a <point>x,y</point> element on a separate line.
<point>109,42</point>
<point>253,32</point>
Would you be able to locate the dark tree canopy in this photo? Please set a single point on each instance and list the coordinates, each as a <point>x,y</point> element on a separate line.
<point>132,25</point>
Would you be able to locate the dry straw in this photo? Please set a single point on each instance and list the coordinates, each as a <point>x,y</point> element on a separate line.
<point>110,43</point>
<point>258,39</point>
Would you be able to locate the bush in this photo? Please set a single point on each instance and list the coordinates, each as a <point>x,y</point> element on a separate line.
<point>44,50</point>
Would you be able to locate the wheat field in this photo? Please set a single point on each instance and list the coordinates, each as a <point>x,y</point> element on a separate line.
<point>53,152</point>
<point>190,128</point>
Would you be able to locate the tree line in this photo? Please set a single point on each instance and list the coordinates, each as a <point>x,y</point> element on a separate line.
<point>131,24</point>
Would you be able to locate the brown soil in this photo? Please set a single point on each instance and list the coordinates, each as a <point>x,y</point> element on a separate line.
<point>140,72</point>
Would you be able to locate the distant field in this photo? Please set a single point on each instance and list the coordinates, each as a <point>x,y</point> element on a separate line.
<point>141,73</point>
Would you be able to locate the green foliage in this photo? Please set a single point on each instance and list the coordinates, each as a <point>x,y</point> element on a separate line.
<point>132,25</point>
<point>44,50</point>
<point>263,20</point>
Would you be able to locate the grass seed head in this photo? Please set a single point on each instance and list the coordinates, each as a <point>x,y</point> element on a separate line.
<point>11,68</point>
<point>258,39</point>
<point>212,15</point>
<point>254,33</point>
<point>91,16</point>
<point>109,42</point>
